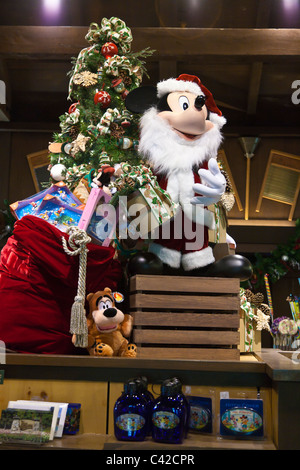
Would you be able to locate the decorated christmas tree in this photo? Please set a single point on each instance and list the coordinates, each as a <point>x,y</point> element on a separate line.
<point>97,130</point>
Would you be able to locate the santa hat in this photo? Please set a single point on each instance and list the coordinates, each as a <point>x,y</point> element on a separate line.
<point>192,84</point>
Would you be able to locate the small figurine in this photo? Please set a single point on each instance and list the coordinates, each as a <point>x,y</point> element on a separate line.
<point>108,326</point>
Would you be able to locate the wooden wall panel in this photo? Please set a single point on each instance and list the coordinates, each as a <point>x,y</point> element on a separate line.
<point>5,142</point>
<point>19,180</point>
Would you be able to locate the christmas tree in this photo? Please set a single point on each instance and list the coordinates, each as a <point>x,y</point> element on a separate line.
<point>97,130</point>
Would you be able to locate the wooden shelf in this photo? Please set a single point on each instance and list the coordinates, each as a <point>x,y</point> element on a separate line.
<point>192,442</point>
<point>88,441</point>
<point>109,442</point>
<point>65,378</point>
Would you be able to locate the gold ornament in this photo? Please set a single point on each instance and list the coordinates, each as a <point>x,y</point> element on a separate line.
<point>79,144</point>
<point>85,78</point>
<point>227,200</point>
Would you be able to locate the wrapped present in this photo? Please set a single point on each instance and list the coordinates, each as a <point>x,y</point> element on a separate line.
<point>97,219</point>
<point>138,192</point>
<point>57,213</point>
<point>31,205</point>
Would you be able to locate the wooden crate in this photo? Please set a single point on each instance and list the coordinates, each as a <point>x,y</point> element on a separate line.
<point>185,317</point>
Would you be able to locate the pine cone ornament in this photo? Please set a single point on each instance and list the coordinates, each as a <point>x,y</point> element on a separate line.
<point>227,200</point>
<point>116,130</point>
<point>249,295</point>
<point>265,309</point>
<point>258,299</point>
<point>73,132</point>
<point>126,79</point>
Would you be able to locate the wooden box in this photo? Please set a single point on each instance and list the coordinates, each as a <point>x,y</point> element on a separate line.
<point>185,317</point>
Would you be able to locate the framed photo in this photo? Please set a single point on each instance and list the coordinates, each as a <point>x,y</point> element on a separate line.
<point>38,163</point>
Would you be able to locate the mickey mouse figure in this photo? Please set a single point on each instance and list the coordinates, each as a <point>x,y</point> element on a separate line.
<point>180,133</point>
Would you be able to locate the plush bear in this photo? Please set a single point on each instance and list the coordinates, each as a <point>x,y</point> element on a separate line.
<point>108,326</point>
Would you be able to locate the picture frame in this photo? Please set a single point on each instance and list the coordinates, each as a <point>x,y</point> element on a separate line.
<point>38,163</point>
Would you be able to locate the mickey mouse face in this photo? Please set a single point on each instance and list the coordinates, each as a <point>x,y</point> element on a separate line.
<point>187,114</point>
<point>182,101</point>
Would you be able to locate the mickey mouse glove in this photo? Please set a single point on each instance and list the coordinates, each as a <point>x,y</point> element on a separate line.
<point>212,187</point>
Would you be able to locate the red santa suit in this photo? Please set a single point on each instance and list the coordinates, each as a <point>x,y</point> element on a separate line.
<point>176,161</point>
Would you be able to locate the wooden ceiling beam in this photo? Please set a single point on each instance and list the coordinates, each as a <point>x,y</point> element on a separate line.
<point>262,21</point>
<point>66,41</point>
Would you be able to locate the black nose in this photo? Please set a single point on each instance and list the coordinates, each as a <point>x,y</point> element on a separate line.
<point>200,101</point>
<point>110,312</point>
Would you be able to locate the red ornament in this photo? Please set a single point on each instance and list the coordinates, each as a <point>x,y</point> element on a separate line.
<point>103,98</point>
<point>124,94</point>
<point>109,49</point>
<point>73,107</point>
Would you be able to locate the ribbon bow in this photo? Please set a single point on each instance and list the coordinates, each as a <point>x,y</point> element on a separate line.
<point>114,30</point>
<point>135,177</point>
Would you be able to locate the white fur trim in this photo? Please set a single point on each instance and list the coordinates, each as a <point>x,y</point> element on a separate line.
<point>168,152</point>
<point>166,255</point>
<point>220,121</point>
<point>180,187</point>
<point>171,84</point>
<point>197,259</point>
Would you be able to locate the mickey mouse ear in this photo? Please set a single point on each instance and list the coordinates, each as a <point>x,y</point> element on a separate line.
<point>140,99</point>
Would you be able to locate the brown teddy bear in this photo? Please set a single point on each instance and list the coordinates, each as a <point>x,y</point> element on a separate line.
<point>108,326</point>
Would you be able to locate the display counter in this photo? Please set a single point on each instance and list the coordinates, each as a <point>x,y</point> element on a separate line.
<point>96,383</point>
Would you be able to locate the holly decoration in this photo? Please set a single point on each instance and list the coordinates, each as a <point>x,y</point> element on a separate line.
<point>97,121</point>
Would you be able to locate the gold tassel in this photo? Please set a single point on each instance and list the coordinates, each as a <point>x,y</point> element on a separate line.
<point>78,323</point>
<point>78,240</point>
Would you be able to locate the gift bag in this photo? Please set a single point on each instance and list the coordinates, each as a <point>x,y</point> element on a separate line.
<point>38,284</point>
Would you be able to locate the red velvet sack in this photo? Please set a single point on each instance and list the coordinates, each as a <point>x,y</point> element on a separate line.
<point>38,283</point>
